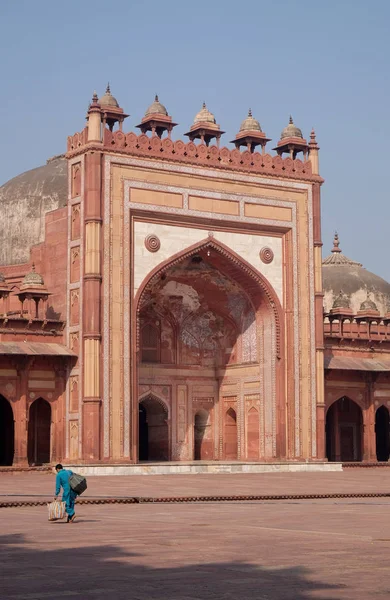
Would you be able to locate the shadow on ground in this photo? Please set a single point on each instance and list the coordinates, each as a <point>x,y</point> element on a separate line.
<point>108,572</point>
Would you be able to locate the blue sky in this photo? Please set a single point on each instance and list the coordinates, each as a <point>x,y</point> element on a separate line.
<point>326,63</point>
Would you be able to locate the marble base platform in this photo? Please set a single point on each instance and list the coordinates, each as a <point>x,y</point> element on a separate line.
<point>194,468</point>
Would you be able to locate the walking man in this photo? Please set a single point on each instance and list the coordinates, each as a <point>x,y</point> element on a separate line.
<point>68,495</point>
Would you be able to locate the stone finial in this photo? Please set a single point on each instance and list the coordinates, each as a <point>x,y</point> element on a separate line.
<point>336,243</point>
<point>313,142</point>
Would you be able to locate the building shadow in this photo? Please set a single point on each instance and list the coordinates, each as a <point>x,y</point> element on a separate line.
<point>97,572</point>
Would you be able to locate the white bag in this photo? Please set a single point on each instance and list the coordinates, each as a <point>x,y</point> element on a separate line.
<point>56,510</point>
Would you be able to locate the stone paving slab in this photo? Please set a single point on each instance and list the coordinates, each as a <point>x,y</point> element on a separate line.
<point>30,485</point>
<point>296,550</point>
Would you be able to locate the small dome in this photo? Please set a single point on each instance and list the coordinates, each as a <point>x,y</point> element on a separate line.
<point>32,280</point>
<point>250,123</point>
<point>204,116</point>
<point>156,108</point>
<point>108,99</point>
<point>341,275</point>
<point>291,131</point>
<point>368,305</point>
<point>341,301</point>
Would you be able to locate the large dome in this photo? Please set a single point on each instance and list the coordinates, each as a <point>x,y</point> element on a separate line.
<point>24,202</point>
<point>346,277</point>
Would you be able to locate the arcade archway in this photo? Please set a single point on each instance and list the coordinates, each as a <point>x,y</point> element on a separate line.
<point>6,433</point>
<point>382,434</point>
<point>344,426</point>
<point>39,432</point>
<point>153,431</point>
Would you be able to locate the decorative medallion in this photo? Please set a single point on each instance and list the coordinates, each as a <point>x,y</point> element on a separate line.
<point>211,234</point>
<point>266,255</point>
<point>9,389</point>
<point>152,243</point>
<point>32,395</point>
<point>50,395</point>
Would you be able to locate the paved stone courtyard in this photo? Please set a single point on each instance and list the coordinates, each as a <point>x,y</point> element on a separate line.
<point>281,550</point>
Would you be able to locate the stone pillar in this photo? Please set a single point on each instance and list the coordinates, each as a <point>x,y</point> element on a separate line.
<point>369,439</point>
<point>57,453</point>
<point>21,420</point>
<point>319,325</point>
<point>92,308</point>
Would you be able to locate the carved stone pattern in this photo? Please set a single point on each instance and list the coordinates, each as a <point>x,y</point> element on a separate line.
<point>152,243</point>
<point>266,255</point>
<point>208,399</point>
<point>75,254</point>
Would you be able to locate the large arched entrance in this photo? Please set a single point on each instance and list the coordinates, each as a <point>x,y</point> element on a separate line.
<point>39,432</point>
<point>201,319</point>
<point>6,433</point>
<point>153,432</point>
<point>382,434</point>
<point>344,425</point>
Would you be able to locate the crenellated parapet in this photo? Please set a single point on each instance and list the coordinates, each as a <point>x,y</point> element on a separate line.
<point>199,154</point>
<point>77,141</point>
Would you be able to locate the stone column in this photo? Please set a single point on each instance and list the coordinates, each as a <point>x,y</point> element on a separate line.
<point>92,308</point>
<point>58,417</point>
<point>319,325</point>
<point>369,439</point>
<point>21,420</point>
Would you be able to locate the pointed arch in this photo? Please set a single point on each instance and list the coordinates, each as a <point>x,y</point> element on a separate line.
<point>155,397</point>
<point>237,269</point>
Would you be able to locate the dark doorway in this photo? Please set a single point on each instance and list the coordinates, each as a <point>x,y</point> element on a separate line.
<point>344,425</point>
<point>6,433</point>
<point>39,431</point>
<point>382,434</point>
<point>230,435</point>
<point>153,442</point>
<point>143,434</point>
<point>201,445</point>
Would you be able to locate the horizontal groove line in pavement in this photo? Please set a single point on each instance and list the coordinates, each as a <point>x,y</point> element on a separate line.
<point>197,499</point>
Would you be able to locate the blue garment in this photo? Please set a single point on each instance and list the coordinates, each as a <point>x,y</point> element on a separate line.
<point>68,495</point>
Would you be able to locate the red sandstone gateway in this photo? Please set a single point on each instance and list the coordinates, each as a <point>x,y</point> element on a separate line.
<point>163,301</point>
